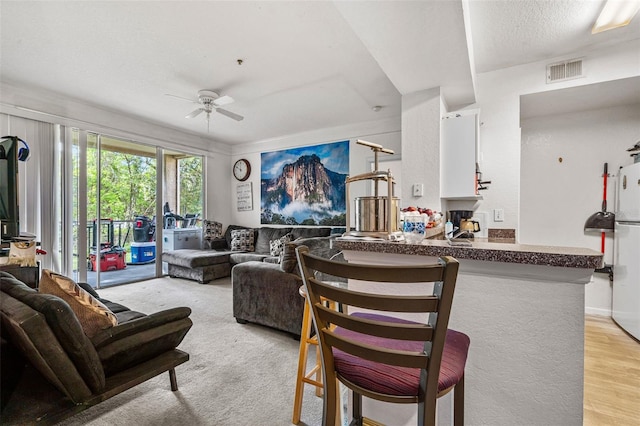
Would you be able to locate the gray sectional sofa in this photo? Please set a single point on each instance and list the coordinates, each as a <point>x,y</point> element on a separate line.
<point>268,293</point>
<point>206,265</point>
<point>265,287</point>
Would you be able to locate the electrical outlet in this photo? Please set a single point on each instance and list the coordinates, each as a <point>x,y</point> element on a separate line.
<point>498,215</point>
<point>418,190</point>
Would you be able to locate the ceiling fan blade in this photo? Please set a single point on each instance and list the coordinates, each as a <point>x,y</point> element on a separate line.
<point>194,113</point>
<point>230,114</point>
<point>180,97</point>
<point>223,100</point>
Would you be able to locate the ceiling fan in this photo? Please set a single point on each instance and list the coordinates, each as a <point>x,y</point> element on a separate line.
<point>211,101</point>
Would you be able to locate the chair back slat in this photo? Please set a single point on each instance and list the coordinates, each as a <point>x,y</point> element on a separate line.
<point>377,354</point>
<point>379,273</point>
<point>399,331</point>
<point>381,302</point>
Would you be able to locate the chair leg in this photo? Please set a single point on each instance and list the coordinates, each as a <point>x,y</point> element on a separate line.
<point>172,379</point>
<point>302,364</point>
<point>330,400</point>
<point>356,408</point>
<point>318,369</point>
<point>427,412</point>
<point>458,403</point>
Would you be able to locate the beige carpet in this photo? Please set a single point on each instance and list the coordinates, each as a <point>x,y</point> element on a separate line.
<point>237,374</point>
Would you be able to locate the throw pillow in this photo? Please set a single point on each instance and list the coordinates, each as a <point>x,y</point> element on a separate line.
<point>276,246</point>
<point>92,314</point>
<point>212,229</point>
<point>320,246</point>
<point>22,253</point>
<point>242,240</point>
<point>289,261</point>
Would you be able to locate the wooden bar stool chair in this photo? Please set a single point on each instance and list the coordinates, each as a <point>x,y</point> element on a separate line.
<point>306,340</point>
<point>313,376</point>
<point>381,356</point>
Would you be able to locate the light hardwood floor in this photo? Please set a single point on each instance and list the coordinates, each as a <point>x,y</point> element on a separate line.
<point>611,374</point>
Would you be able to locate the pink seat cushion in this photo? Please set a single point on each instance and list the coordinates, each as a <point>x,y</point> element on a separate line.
<point>393,380</point>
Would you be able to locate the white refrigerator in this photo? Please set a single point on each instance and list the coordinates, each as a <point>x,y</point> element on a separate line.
<point>626,262</point>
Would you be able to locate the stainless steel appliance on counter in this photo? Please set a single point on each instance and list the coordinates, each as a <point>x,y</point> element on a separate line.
<point>463,225</point>
<point>626,264</point>
<point>375,216</point>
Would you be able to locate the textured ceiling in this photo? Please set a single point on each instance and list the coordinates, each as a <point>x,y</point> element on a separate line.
<point>507,33</point>
<point>307,65</point>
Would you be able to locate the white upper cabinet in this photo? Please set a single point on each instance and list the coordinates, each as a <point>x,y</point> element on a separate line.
<point>459,152</point>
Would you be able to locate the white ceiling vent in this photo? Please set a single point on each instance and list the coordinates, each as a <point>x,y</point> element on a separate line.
<point>565,70</point>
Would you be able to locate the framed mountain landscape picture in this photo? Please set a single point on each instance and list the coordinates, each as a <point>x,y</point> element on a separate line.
<point>305,185</point>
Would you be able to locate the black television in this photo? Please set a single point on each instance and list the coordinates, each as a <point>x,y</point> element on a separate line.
<point>9,214</point>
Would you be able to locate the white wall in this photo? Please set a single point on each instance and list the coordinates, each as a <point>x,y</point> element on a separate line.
<point>384,132</point>
<point>556,198</point>
<point>499,103</point>
<point>421,115</point>
<point>500,139</point>
<point>217,187</point>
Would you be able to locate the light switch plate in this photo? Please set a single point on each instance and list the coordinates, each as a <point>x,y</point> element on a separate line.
<point>418,190</point>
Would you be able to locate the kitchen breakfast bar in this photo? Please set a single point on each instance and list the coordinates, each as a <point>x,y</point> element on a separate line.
<point>523,308</point>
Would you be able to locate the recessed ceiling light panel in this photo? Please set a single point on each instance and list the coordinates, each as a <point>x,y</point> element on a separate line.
<point>615,14</point>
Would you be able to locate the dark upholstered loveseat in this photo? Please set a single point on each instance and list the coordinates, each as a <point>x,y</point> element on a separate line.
<point>268,293</point>
<point>44,344</point>
<point>217,261</point>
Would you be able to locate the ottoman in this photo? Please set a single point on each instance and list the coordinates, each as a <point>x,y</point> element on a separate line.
<point>198,265</point>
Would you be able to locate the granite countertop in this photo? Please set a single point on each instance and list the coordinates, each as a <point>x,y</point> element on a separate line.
<point>482,249</point>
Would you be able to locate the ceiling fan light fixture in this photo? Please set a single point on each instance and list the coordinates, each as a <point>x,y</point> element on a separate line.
<point>615,14</point>
<point>210,101</point>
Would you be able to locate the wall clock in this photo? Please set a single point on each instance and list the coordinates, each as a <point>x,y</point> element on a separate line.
<point>242,169</point>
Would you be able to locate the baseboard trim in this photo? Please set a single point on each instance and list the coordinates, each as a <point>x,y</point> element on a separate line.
<point>598,311</point>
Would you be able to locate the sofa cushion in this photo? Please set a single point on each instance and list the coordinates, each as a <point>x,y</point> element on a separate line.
<point>276,246</point>
<point>128,315</point>
<point>310,232</point>
<point>92,314</point>
<point>319,246</point>
<point>142,339</point>
<point>87,287</point>
<point>266,235</point>
<point>122,313</point>
<point>242,240</point>
<point>65,326</point>
<point>195,258</point>
<point>289,261</point>
<point>246,257</point>
<point>114,307</point>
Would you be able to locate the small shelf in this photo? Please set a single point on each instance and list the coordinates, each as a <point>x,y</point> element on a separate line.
<point>465,198</point>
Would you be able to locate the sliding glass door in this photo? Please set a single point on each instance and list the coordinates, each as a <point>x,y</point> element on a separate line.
<point>119,195</point>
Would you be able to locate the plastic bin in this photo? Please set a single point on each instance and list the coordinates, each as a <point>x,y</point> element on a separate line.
<point>143,252</point>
